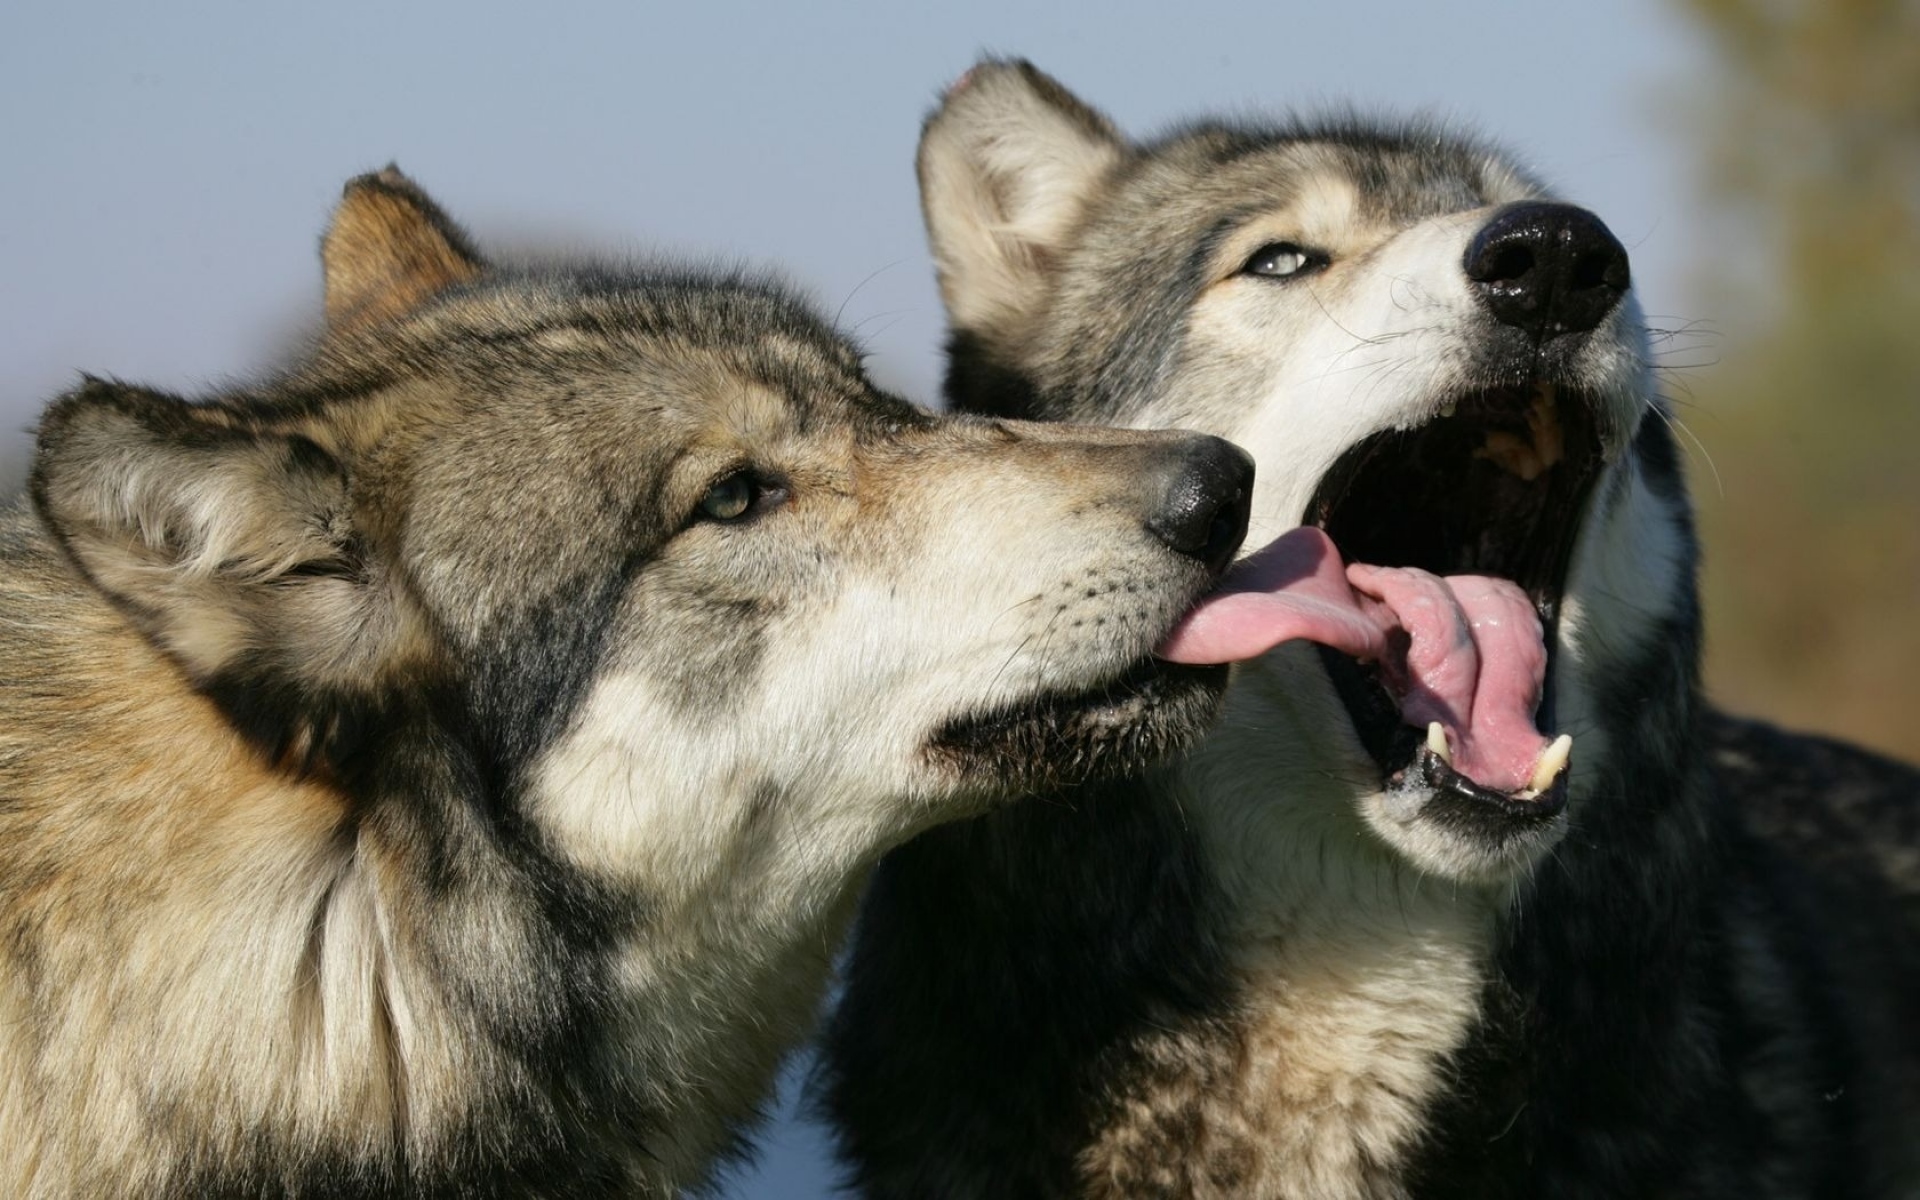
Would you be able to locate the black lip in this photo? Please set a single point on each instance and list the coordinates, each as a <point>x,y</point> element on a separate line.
<point>1149,711</point>
<point>1429,498</point>
<point>1447,784</point>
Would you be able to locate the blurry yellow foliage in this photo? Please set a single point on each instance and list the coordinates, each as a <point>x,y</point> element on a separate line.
<point>1811,149</point>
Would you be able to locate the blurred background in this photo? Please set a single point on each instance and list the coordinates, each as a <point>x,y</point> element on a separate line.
<point>168,169</point>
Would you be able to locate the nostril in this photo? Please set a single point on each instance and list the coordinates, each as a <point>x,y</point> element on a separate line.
<point>1228,530</point>
<point>1509,262</point>
<point>1610,268</point>
<point>1590,270</point>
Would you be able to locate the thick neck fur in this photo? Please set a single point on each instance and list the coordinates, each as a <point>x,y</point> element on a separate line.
<point>389,986</point>
<point>1355,976</point>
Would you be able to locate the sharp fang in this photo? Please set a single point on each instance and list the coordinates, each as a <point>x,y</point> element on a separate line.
<point>1437,742</point>
<point>1553,760</point>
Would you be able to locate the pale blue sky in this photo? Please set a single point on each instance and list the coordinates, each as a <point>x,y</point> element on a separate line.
<point>168,167</point>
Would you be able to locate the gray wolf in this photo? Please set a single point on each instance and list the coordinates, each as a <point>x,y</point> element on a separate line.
<point>445,769</point>
<point>1331,953</point>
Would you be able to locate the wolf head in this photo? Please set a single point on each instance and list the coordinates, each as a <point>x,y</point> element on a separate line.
<point>633,543</point>
<point>1432,360</point>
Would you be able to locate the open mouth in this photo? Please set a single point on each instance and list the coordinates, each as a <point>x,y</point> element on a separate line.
<point>1429,569</point>
<point>1493,487</point>
<point>1151,710</point>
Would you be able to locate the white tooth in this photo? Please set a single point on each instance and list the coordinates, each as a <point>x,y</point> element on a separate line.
<point>1553,760</point>
<point>1449,408</point>
<point>1437,742</point>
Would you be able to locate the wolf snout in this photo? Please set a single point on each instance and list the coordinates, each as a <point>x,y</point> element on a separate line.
<point>1547,269</point>
<point>1204,495</point>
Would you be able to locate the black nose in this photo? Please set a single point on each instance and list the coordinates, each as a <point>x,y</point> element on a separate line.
<point>1547,269</point>
<point>1204,505</point>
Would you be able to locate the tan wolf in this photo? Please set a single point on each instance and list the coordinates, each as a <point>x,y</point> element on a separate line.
<point>445,768</point>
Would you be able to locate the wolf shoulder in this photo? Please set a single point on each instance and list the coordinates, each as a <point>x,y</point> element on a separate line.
<point>1838,808</point>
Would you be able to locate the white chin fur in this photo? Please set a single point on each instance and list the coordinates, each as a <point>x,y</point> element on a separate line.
<point>1399,817</point>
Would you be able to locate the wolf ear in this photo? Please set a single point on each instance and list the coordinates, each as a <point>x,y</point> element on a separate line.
<point>389,249</point>
<point>1007,164</point>
<point>228,545</point>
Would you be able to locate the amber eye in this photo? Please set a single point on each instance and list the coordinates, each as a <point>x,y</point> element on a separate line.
<point>730,498</point>
<point>1283,260</point>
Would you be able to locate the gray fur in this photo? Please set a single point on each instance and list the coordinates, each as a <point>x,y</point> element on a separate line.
<point>1250,975</point>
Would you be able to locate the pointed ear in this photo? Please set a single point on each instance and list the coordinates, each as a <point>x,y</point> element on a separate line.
<point>1007,164</point>
<point>389,249</point>
<point>228,545</point>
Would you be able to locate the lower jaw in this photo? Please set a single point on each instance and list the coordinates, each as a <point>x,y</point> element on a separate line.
<point>1397,749</point>
<point>1150,713</point>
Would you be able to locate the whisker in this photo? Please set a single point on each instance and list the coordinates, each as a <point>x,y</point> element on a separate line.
<point>1680,427</point>
<point>871,276</point>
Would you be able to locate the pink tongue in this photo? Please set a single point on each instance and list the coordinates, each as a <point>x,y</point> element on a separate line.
<point>1473,656</point>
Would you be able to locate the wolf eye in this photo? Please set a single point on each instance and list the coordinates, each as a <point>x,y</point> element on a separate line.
<point>742,495</point>
<point>730,498</point>
<point>1283,260</point>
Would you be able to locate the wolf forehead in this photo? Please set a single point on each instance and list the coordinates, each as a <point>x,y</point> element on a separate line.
<point>1403,169</point>
<point>675,341</point>
<point>1186,198</point>
<point>676,349</point>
